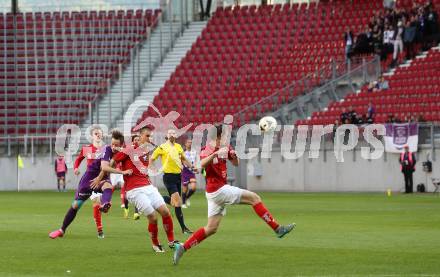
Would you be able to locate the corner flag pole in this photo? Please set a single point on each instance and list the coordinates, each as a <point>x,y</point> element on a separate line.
<point>18,174</point>
<point>20,165</point>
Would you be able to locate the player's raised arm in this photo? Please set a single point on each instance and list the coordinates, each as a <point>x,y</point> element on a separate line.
<point>78,161</point>
<point>95,182</point>
<point>156,153</point>
<point>206,160</point>
<point>106,167</point>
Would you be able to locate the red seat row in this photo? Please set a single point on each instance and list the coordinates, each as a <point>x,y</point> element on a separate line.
<point>59,62</point>
<point>414,92</point>
<point>248,53</point>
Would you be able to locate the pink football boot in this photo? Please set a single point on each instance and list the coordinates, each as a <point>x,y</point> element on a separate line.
<point>55,234</point>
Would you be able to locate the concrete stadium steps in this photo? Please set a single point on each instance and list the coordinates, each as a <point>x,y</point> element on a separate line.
<point>164,71</point>
<point>119,101</point>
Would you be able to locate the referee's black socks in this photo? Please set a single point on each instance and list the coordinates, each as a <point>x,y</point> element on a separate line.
<point>179,216</point>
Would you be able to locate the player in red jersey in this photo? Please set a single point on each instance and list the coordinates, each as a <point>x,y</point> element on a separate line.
<point>89,152</point>
<point>141,192</point>
<point>124,201</point>
<point>219,194</point>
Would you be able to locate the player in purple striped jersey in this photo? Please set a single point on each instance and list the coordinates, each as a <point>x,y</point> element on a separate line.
<point>89,184</point>
<point>189,181</point>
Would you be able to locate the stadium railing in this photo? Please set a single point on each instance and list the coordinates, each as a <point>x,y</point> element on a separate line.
<point>33,145</point>
<point>428,139</point>
<point>292,97</point>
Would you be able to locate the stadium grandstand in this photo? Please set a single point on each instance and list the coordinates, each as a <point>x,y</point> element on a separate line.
<point>81,64</point>
<point>219,137</point>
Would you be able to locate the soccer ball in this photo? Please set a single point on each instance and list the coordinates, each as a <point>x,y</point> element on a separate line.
<point>267,124</point>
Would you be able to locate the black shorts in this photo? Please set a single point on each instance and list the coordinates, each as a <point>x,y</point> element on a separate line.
<point>172,182</point>
<point>61,174</point>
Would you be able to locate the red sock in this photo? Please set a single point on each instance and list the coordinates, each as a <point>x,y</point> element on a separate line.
<point>195,239</point>
<point>97,217</point>
<point>262,212</point>
<point>152,229</point>
<point>123,196</point>
<point>168,227</point>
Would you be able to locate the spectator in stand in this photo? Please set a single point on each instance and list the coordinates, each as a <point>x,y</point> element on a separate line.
<point>388,42</point>
<point>398,41</point>
<point>349,41</point>
<point>409,35</point>
<point>364,42</point>
<point>352,115</point>
<point>421,27</point>
<point>371,86</point>
<point>420,118</point>
<point>391,119</point>
<point>422,18</point>
<point>361,120</point>
<point>431,24</point>
<point>344,117</point>
<point>371,112</point>
<point>389,4</point>
<point>387,17</point>
<point>394,17</point>
<point>415,7</point>
<point>205,12</point>
<point>382,84</point>
<point>377,38</point>
<point>372,22</point>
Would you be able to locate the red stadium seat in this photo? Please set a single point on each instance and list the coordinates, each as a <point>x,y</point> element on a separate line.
<point>251,52</point>
<point>412,94</point>
<point>55,71</point>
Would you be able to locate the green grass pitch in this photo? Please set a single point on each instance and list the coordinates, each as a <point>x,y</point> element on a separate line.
<point>337,234</point>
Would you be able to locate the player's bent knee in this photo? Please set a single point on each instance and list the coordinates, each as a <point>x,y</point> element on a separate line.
<point>76,205</point>
<point>175,200</point>
<point>250,198</point>
<point>163,211</point>
<point>106,185</point>
<point>175,196</point>
<point>255,198</point>
<point>152,218</point>
<point>193,186</point>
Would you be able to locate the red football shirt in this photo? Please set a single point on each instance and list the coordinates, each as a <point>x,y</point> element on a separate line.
<point>88,152</point>
<point>216,171</point>
<point>133,157</point>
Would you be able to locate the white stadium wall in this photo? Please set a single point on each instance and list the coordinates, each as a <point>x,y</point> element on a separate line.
<point>313,175</point>
<point>299,175</point>
<point>40,175</point>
